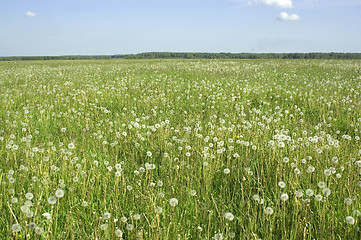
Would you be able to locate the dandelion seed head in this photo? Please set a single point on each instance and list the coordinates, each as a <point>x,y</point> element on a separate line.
<point>52,200</point>
<point>229,216</point>
<point>350,220</point>
<point>16,227</point>
<point>284,197</point>
<point>59,193</point>
<point>268,211</point>
<point>173,202</point>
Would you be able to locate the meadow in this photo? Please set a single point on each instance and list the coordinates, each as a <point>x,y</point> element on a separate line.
<point>180,149</point>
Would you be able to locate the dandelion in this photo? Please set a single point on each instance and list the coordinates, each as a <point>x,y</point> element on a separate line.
<point>229,216</point>
<point>16,227</point>
<point>158,210</point>
<point>118,233</point>
<point>321,184</point>
<point>193,192</point>
<point>284,197</point>
<point>123,219</point>
<point>71,146</point>
<point>104,226</point>
<point>106,215</point>
<point>326,192</point>
<point>39,230</point>
<point>24,209</point>
<point>299,193</point>
<point>268,211</point>
<point>47,215</point>
<point>281,184</point>
<point>59,193</point>
<point>327,172</point>
<point>347,201</point>
<point>256,197</point>
<point>160,183</point>
<point>350,220</point>
<point>218,236</point>
<point>84,203</point>
<point>52,200</point>
<point>136,216</point>
<point>32,225</point>
<point>357,213</point>
<point>173,202</point>
<point>149,153</point>
<point>130,227</point>
<point>318,197</point>
<point>226,171</point>
<point>310,169</point>
<point>309,192</point>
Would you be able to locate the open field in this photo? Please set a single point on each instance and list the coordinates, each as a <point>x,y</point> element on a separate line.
<point>180,149</point>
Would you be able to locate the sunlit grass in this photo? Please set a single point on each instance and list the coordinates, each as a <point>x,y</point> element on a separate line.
<point>180,149</point>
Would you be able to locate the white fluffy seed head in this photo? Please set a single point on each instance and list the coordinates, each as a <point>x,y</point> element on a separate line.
<point>229,216</point>
<point>173,202</point>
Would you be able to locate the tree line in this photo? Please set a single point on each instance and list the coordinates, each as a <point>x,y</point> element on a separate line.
<point>196,55</point>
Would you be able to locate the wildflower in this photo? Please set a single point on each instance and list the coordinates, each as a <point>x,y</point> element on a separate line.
<point>123,219</point>
<point>118,233</point>
<point>52,200</point>
<point>321,184</point>
<point>218,236</point>
<point>226,170</point>
<point>348,201</point>
<point>326,192</point>
<point>229,216</point>
<point>16,227</point>
<point>193,193</point>
<point>130,227</point>
<point>318,197</point>
<point>309,192</point>
<point>39,230</point>
<point>32,225</point>
<point>59,193</point>
<point>106,215</point>
<point>173,202</point>
<point>84,203</point>
<point>104,226</point>
<point>350,220</point>
<point>357,213</point>
<point>47,215</point>
<point>281,184</point>
<point>158,210</point>
<point>136,216</point>
<point>299,193</point>
<point>284,197</point>
<point>268,211</point>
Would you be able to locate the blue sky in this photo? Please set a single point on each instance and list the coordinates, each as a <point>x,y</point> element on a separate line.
<point>86,27</point>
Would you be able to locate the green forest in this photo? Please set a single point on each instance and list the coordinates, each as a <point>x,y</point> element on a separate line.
<point>195,55</point>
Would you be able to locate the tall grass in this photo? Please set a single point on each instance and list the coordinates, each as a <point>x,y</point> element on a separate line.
<point>180,149</point>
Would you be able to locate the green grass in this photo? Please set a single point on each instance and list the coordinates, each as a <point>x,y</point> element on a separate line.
<point>95,127</point>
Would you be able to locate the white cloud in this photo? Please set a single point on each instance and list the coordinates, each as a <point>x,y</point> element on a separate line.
<point>276,3</point>
<point>288,17</point>
<point>30,14</point>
